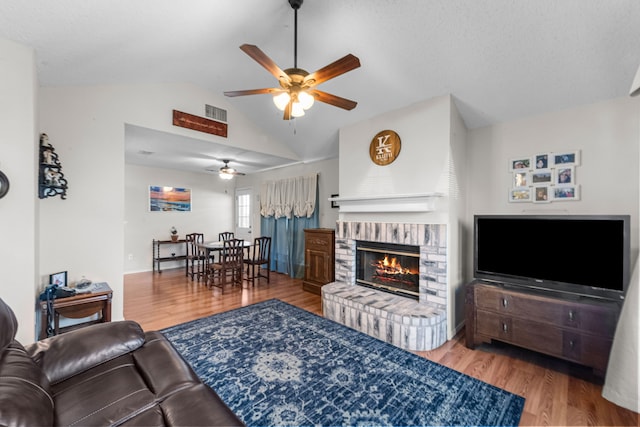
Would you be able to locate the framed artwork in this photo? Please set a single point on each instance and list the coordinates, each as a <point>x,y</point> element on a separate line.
<point>542,194</point>
<point>566,158</point>
<point>565,175</point>
<point>520,179</point>
<point>59,279</point>
<point>169,199</point>
<point>541,161</point>
<point>566,193</point>
<point>542,177</point>
<point>520,195</point>
<point>520,163</point>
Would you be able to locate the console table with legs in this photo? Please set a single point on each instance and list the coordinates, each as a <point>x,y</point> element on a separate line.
<point>169,250</point>
<point>79,306</point>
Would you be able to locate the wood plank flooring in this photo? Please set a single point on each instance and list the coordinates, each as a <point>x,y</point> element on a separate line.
<point>557,393</point>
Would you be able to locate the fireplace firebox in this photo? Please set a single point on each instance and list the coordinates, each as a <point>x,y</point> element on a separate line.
<point>389,267</point>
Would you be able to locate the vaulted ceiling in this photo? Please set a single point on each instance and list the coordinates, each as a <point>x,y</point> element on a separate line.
<point>500,59</point>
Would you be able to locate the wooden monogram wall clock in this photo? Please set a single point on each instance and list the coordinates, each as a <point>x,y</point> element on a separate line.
<point>385,147</point>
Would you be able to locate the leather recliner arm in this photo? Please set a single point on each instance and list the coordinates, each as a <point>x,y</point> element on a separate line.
<point>63,356</point>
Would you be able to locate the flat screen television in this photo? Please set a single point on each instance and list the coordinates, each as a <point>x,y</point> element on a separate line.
<point>580,255</point>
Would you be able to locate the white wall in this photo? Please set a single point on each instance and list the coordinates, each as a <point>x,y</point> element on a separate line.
<point>328,176</point>
<point>84,234</point>
<point>422,165</point>
<point>606,133</point>
<point>211,212</point>
<point>457,201</point>
<point>18,158</point>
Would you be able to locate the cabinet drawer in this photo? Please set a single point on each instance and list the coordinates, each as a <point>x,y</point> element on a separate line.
<point>319,243</point>
<point>586,349</point>
<point>532,335</point>
<point>594,319</point>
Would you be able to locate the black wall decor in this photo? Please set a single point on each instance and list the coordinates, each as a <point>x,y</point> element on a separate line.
<point>4,185</point>
<point>51,180</point>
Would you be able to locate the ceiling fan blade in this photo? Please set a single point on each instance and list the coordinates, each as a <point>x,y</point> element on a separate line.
<point>261,58</point>
<point>252,91</point>
<point>334,100</point>
<point>287,111</point>
<point>341,66</point>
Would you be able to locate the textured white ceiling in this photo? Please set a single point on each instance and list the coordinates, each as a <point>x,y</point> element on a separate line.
<point>500,59</point>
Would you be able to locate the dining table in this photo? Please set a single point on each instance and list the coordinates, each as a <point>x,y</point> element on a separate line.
<point>217,246</point>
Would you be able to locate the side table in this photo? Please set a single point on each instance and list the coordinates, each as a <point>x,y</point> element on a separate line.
<point>98,300</point>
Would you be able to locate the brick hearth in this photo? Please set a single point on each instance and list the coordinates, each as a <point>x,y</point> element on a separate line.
<point>406,323</point>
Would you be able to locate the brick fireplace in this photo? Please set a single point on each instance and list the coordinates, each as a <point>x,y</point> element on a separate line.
<point>407,322</point>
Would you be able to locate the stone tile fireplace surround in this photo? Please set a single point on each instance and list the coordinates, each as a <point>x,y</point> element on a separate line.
<point>413,325</point>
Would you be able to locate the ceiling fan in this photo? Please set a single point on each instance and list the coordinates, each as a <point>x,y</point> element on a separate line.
<point>227,172</point>
<point>297,90</point>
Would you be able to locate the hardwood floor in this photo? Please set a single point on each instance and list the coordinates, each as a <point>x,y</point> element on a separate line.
<point>556,392</point>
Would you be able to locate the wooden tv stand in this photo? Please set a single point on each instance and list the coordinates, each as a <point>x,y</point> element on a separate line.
<point>579,330</point>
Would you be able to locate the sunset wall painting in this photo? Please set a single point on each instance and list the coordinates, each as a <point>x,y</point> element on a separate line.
<point>169,199</point>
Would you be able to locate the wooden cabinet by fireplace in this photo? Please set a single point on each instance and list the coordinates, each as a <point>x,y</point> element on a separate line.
<point>319,258</point>
<point>580,330</point>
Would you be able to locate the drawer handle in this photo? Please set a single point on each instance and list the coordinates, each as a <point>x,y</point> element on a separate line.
<point>571,315</point>
<point>571,343</point>
<point>505,328</point>
<point>505,302</point>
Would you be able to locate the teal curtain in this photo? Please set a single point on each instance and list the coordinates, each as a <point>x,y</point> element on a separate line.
<point>287,241</point>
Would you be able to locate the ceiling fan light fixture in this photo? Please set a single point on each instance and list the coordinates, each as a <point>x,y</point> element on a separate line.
<point>305,99</point>
<point>281,100</point>
<point>297,110</point>
<point>225,175</point>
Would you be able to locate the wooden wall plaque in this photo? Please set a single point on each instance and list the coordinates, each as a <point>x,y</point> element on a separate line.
<point>384,147</point>
<point>201,124</point>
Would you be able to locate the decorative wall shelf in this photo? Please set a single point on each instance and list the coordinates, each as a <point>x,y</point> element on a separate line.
<point>388,203</point>
<point>51,180</point>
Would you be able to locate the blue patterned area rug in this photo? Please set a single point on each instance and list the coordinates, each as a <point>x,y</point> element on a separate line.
<point>275,364</point>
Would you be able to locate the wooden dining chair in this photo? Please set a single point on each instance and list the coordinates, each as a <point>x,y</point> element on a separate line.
<point>260,255</point>
<point>226,235</point>
<point>196,256</point>
<point>229,265</point>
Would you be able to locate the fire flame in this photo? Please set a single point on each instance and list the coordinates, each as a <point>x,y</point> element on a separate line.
<point>393,266</point>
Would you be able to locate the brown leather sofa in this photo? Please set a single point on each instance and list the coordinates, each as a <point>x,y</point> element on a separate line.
<point>104,374</point>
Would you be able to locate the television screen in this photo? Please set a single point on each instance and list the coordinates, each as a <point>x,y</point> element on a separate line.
<point>581,254</point>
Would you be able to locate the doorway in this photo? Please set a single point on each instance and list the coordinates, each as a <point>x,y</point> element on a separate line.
<point>243,214</point>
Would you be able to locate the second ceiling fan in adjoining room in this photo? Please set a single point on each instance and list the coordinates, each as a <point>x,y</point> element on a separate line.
<point>297,91</point>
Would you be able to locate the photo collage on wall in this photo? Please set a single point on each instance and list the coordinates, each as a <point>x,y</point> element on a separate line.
<point>544,177</point>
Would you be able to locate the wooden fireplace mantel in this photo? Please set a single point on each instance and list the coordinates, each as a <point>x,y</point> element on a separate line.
<point>388,203</point>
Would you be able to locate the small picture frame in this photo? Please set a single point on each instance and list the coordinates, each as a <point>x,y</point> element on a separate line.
<point>566,158</point>
<point>565,175</point>
<point>334,204</point>
<point>566,193</point>
<point>520,195</point>
<point>541,161</point>
<point>542,176</point>
<point>520,163</point>
<point>541,194</point>
<point>59,279</point>
<point>520,179</point>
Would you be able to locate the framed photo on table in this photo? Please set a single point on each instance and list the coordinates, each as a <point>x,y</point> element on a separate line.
<point>59,279</point>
